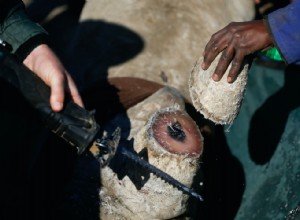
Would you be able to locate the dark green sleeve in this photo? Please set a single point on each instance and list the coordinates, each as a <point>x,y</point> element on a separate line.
<point>18,30</point>
<point>6,6</point>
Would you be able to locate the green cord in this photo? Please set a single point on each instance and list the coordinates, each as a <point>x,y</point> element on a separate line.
<point>272,53</point>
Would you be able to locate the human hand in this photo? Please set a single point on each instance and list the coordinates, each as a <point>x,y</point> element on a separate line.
<point>235,41</point>
<point>45,64</point>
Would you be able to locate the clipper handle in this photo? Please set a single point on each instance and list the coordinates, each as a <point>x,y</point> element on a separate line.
<point>74,124</point>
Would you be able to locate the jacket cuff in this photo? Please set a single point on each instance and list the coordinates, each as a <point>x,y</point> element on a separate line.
<point>25,49</point>
<point>285,28</point>
<point>266,21</point>
<point>20,32</point>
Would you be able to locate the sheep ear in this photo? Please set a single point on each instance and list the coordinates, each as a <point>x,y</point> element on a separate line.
<point>133,90</point>
<point>218,101</point>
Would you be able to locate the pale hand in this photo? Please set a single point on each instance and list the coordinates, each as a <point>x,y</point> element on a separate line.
<point>45,64</point>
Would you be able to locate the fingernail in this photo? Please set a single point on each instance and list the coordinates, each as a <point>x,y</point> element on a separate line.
<point>203,66</point>
<point>58,105</point>
<point>215,77</point>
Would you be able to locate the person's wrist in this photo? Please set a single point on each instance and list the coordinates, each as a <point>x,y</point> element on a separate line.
<point>269,42</point>
<point>31,58</point>
<point>26,48</point>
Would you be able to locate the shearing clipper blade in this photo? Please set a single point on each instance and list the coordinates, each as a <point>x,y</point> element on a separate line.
<point>109,147</point>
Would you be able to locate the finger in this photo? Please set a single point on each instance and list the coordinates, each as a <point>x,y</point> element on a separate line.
<point>74,92</point>
<point>223,63</point>
<point>235,67</point>
<point>257,2</point>
<point>211,54</point>
<point>216,45</point>
<point>57,93</point>
<point>215,38</point>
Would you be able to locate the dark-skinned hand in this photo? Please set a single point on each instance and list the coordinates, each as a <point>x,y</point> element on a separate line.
<point>235,42</point>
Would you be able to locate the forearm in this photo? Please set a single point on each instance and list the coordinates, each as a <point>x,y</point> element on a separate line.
<point>16,29</point>
<point>284,26</point>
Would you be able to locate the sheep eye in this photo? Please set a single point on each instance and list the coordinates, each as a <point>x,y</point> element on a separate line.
<point>176,132</point>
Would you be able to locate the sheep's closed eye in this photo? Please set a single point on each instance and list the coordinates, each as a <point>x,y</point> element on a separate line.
<point>176,132</point>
